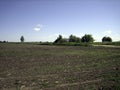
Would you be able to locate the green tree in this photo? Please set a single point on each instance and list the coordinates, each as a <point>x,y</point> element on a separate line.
<point>22,39</point>
<point>78,40</point>
<point>64,40</point>
<point>106,39</point>
<point>87,38</point>
<point>60,39</point>
<point>73,38</point>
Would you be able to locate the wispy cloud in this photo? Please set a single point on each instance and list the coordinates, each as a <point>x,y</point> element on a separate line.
<point>38,27</point>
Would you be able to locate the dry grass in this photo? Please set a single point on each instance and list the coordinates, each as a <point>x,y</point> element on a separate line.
<point>37,67</point>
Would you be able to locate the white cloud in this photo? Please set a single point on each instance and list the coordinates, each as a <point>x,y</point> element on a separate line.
<point>38,27</point>
<point>107,32</point>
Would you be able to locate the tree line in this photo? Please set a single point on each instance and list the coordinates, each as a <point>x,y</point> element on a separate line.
<point>86,38</point>
<point>72,38</point>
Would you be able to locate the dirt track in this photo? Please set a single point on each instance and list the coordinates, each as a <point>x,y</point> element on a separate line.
<point>111,46</point>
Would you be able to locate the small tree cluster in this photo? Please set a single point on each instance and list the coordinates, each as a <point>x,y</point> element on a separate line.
<point>106,39</point>
<point>60,39</point>
<point>3,41</point>
<point>73,38</point>
<point>87,38</point>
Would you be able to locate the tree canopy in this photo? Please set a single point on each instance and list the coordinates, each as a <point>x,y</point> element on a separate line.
<point>87,38</point>
<point>106,39</point>
<point>22,39</point>
<point>73,38</point>
<point>60,39</point>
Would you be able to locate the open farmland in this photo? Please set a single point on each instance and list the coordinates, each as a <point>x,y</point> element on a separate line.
<point>40,67</point>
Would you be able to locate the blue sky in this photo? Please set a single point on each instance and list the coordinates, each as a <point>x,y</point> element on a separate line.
<point>44,20</point>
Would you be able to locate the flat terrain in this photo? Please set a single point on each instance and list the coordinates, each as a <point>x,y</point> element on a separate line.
<point>38,67</point>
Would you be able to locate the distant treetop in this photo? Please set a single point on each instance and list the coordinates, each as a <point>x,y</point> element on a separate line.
<point>22,39</point>
<point>106,39</point>
<point>87,38</point>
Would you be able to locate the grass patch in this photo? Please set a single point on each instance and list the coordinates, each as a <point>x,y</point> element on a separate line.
<point>69,64</point>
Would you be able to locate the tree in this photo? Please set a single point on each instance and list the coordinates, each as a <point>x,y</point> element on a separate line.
<point>87,38</point>
<point>106,39</point>
<point>73,38</point>
<point>78,40</point>
<point>60,39</point>
<point>64,40</point>
<point>22,39</point>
